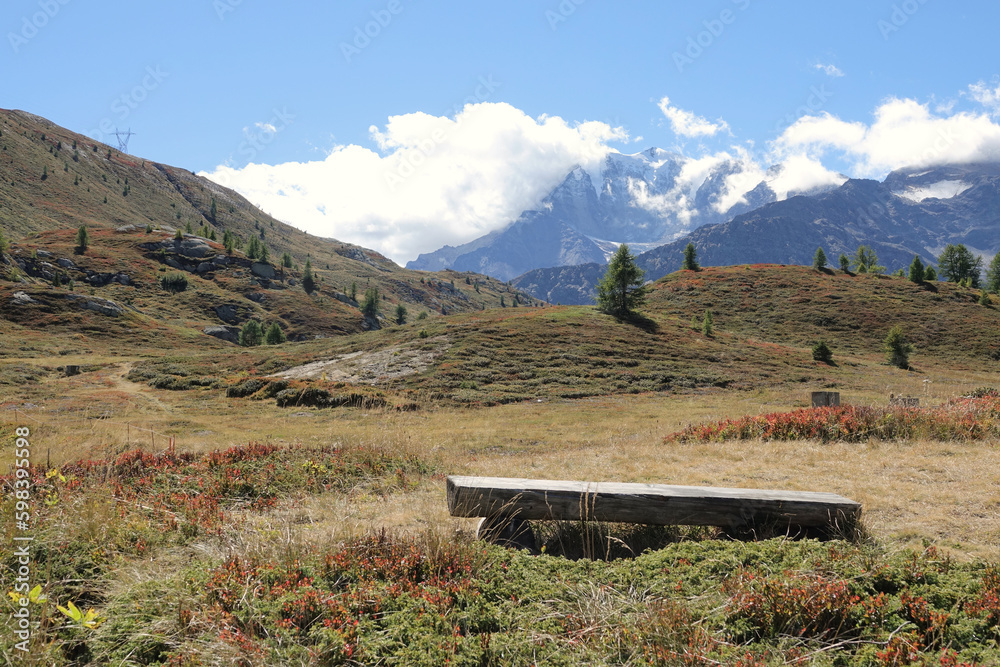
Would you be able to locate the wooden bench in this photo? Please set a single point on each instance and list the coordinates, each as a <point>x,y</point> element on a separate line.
<point>507,503</point>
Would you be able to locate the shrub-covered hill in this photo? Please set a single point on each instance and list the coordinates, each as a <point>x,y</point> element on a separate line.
<point>115,292</point>
<point>797,305</point>
<point>53,180</point>
<point>766,319</point>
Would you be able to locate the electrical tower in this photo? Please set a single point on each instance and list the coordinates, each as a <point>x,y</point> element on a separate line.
<point>123,138</point>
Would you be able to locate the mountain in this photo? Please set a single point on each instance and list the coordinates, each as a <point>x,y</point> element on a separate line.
<point>53,180</point>
<point>644,199</point>
<point>912,212</point>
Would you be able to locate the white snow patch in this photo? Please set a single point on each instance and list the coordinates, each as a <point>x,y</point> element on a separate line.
<point>939,190</point>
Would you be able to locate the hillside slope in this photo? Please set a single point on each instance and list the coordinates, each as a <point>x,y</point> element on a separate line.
<point>766,320</point>
<point>53,180</point>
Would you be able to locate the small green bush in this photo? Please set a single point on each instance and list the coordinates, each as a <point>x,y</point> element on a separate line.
<point>174,282</point>
<point>246,388</point>
<point>897,348</point>
<point>821,352</point>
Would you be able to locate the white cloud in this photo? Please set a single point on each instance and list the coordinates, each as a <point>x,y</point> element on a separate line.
<point>905,133</point>
<point>434,180</point>
<point>988,97</point>
<point>801,174</point>
<point>686,124</point>
<point>426,181</point>
<point>830,70</point>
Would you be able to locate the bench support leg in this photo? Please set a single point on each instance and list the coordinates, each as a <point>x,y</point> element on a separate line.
<point>507,532</point>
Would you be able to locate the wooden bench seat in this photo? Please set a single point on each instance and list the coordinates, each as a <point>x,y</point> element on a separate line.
<point>501,500</point>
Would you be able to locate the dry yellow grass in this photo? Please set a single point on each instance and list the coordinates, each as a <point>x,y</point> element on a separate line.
<point>945,493</point>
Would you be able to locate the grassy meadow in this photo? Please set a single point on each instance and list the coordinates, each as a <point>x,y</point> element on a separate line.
<point>285,505</point>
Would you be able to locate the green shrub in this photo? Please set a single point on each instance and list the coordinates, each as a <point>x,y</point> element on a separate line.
<point>174,282</point>
<point>897,348</point>
<point>246,388</point>
<point>821,352</point>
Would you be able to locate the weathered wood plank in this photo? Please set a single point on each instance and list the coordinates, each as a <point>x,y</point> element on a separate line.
<point>656,504</point>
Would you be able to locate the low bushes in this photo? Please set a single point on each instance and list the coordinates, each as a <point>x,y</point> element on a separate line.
<point>969,418</point>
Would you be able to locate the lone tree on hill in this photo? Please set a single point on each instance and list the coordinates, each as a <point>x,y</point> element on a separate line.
<point>822,352</point>
<point>308,282</point>
<point>401,314</point>
<point>690,258</point>
<point>917,270</point>
<point>897,348</point>
<point>845,263</point>
<point>819,259</point>
<point>620,292</point>
<point>82,240</point>
<point>866,261</point>
<point>959,265</point>
<point>992,273</point>
<point>213,211</point>
<point>370,306</point>
<point>930,274</point>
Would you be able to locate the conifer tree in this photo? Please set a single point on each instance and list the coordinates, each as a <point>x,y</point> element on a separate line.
<point>252,334</point>
<point>621,292</point>
<point>930,274</point>
<point>274,335</point>
<point>401,314</point>
<point>82,240</point>
<point>370,306</point>
<point>993,275</point>
<point>707,323</point>
<point>897,348</point>
<point>845,263</point>
<point>690,258</point>
<point>917,270</point>
<point>959,265</point>
<point>865,260</point>
<point>308,282</point>
<point>819,259</point>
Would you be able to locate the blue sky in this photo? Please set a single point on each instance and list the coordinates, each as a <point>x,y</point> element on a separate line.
<point>224,83</point>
